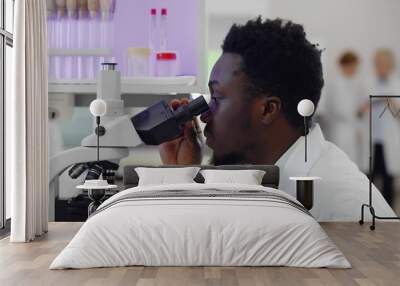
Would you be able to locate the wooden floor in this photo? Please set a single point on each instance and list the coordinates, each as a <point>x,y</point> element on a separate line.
<point>375,257</point>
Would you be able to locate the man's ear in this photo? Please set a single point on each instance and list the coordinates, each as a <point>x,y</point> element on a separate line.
<point>269,109</point>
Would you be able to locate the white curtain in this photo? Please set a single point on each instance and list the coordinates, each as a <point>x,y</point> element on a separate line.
<point>26,124</point>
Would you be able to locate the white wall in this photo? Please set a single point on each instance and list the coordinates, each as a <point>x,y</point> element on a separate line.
<point>223,13</point>
<point>362,25</point>
<point>236,7</point>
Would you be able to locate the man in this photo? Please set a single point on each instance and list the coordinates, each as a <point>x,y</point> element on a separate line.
<point>385,123</point>
<point>343,98</point>
<point>266,68</point>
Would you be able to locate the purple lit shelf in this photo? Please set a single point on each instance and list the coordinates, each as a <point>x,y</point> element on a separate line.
<point>186,34</point>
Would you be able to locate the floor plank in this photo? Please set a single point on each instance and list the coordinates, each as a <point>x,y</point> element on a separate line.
<point>374,255</point>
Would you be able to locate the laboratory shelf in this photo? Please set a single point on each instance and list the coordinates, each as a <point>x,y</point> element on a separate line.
<point>185,33</point>
<point>80,52</point>
<point>143,85</point>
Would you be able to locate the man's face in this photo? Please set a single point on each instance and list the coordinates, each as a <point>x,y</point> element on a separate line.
<point>229,127</point>
<point>383,65</point>
<point>349,70</point>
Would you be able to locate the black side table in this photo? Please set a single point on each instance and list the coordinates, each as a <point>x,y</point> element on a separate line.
<point>305,190</point>
<point>96,194</point>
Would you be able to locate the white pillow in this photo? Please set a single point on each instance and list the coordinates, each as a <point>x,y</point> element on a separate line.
<point>248,177</point>
<point>164,176</point>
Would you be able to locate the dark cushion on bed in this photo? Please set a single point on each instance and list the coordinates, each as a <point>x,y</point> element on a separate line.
<point>270,179</point>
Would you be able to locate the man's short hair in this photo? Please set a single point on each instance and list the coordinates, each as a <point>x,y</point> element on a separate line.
<point>279,61</point>
<point>348,58</point>
<point>388,54</point>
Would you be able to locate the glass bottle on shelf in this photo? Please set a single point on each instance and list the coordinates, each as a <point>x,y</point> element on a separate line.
<point>107,11</point>
<point>59,41</point>
<point>50,35</point>
<point>105,6</point>
<point>163,29</point>
<point>93,37</point>
<point>111,30</point>
<point>153,43</point>
<point>71,34</point>
<point>82,38</point>
<point>153,29</point>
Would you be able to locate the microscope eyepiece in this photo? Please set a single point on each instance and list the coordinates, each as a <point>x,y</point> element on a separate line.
<point>198,106</point>
<point>187,112</point>
<point>159,123</point>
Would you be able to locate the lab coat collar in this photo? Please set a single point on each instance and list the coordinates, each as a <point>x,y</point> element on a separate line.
<point>295,165</point>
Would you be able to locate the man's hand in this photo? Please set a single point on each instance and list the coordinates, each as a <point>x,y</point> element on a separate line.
<point>184,150</point>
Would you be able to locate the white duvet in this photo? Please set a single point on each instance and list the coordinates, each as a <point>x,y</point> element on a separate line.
<point>200,231</point>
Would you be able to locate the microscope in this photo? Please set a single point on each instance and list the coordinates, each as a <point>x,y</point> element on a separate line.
<point>119,132</point>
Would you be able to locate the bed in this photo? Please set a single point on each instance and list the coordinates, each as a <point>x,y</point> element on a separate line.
<point>199,224</point>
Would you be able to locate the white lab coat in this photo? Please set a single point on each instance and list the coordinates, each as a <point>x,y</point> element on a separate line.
<point>343,188</point>
<point>342,99</point>
<point>387,130</point>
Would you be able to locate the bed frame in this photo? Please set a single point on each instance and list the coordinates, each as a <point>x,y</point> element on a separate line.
<point>270,179</point>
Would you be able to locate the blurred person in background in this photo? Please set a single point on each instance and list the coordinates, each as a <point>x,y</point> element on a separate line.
<point>385,123</point>
<point>343,99</point>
